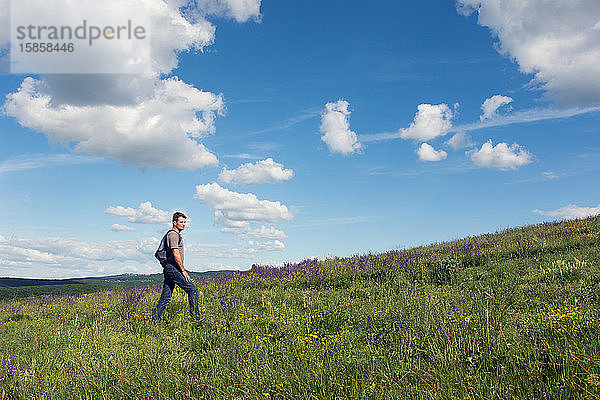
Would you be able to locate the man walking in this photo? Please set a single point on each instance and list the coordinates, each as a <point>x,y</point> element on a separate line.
<point>173,270</point>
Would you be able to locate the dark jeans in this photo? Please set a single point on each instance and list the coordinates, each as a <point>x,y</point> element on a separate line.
<point>174,276</point>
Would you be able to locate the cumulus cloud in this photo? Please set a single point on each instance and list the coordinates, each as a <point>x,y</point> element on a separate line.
<point>336,129</point>
<point>490,106</point>
<point>231,226</point>
<point>243,228</point>
<point>237,212</point>
<point>159,131</point>
<point>139,120</point>
<point>170,28</point>
<point>145,214</point>
<point>460,140</point>
<point>265,171</point>
<point>501,156</point>
<point>431,121</point>
<point>265,232</point>
<point>240,10</point>
<point>68,257</point>
<point>557,41</point>
<point>274,245</point>
<point>571,211</point>
<point>121,228</point>
<point>174,25</point>
<point>235,206</point>
<point>59,257</point>
<point>427,153</point>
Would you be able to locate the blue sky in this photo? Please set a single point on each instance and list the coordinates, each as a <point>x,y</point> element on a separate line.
<point>313,129</point>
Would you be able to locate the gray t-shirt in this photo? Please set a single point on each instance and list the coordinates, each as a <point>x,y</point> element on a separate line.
<point>174,241</point>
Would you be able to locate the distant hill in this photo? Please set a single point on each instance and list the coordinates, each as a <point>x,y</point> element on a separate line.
<point>124,278</point>
<point>18,282</point>
<point>15,288</point>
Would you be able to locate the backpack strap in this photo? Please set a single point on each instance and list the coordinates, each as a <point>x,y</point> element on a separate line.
<point>167,234</point>
<point>165,240</point>
<point>167,248</point>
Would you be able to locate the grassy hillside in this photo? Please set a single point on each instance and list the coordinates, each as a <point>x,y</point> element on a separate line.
<point>512,314</point>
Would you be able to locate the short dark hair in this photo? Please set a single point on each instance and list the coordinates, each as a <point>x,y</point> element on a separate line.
<point>177,215</point>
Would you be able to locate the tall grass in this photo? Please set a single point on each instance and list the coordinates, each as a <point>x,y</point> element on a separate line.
<point>507,315</point>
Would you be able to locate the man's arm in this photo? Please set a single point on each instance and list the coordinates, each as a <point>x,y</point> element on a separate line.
<point>179,262</point>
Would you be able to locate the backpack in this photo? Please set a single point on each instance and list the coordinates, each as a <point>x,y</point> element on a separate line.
<point>162,253</point>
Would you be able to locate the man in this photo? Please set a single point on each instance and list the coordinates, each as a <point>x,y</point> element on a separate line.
<point>173,270</point>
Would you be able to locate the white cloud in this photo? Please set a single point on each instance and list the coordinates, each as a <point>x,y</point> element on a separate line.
<point>549,175</point>
<point>231,226</point>
<point>104,56</point>
<point>282,125</point>
<point>145,214</point>
<point>557,41</point>
<point>172,32</point>
<point>490,106</point>
<point>571,211</point>
<point>242,156</point>
<point>160,131</point>
<point>171,29</point>
<point>138,120</point>
<point>430,122</point>
<point>427,153</point>
<point>34,161</point>
<point>238,212</point>
<point>274,245</point>
<point>59,257</point>
<point>68,257</point>
<point>265,171</point>
<point>517,117</point>
<point>240,10</point>
<point>460,140</point>
<point>336,129</point>
<point>121,228</point>
<point>241,207</point>
<point>265,232</point>
<point>243,228</point>
<point>500,156</point>
<point>527,116</point>
<point>56,249</point>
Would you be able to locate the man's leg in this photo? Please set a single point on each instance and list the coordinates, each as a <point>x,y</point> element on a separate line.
<point>165,297</point>
<point>189,288</point>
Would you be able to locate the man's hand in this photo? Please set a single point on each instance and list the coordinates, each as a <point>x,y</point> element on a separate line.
<point>186,276</point>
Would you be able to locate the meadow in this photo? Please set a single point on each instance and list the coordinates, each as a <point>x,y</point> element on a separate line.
<point>508,315</point>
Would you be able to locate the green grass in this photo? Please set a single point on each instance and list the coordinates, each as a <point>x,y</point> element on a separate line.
<point>509,315</point>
